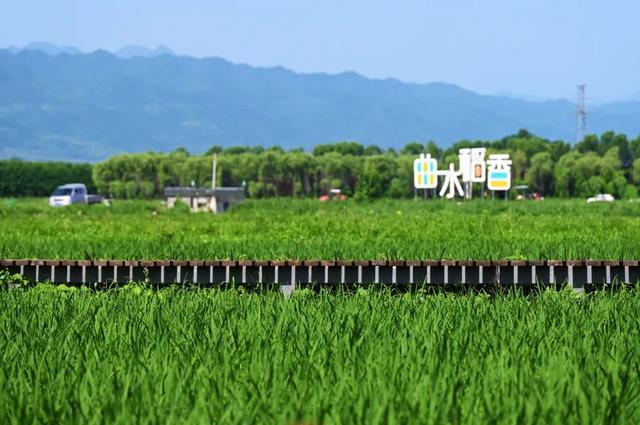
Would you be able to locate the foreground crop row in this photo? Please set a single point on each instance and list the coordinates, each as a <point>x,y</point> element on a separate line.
<point>205,356</point>
<point>306,229</point>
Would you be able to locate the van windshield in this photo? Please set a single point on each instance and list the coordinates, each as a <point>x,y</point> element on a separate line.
<point>62,191</point>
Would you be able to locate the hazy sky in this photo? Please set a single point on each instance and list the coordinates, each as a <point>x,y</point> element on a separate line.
<point>533,48</point>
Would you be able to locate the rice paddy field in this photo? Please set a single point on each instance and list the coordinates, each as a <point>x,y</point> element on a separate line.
<point>371,355</point>
<point>307,229</point>
<point>200,356</point>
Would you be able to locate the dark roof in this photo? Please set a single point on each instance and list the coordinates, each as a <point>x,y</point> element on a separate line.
<point>219,192</point>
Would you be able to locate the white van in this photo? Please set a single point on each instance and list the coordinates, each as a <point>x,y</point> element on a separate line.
<point>73,193</point>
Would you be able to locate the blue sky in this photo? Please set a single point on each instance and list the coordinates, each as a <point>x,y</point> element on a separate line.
<point>538,49</point>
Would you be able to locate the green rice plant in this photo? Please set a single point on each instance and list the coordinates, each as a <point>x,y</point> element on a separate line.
<point>206,356</point>
<point>307,229</point>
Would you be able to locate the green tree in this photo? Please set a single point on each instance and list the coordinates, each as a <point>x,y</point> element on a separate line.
<point>596,164</point>
<point>376,177</point>
<point>539,176</point>
<point>635,147</point>
<point>590,143</point>
<point>636,172</point>
<point>372,150</point>
<point>564,174</point>
<point>413,148</point>
<point>432,149</point>
<point>28,178</point>
<point>344,148</point>
<point>214,149</point>
<point>558,148</point>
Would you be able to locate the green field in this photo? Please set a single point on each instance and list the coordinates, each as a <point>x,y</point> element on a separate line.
<point>206,356</point>
<point>187,355</point>
<point>307,229</point>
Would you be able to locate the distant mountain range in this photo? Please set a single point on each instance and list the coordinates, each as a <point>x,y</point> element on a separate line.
<point>125,52</point>
<point>60,103</point>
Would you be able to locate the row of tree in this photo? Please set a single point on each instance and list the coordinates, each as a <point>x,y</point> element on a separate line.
<point>24,178</point>
<point>608,163</point>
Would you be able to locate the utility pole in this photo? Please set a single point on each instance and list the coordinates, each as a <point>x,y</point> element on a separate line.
<point>581,113</point>
<point>213,172</point>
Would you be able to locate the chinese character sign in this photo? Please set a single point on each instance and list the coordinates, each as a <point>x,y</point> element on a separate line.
<point>472,164</point>
<point>451,183</point>
<point>499,172</point>
<point>425,172</point>
<point>478,165</point>
<point>473,168</point>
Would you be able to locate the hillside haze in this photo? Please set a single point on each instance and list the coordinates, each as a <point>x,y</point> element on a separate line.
<point>89,106</point>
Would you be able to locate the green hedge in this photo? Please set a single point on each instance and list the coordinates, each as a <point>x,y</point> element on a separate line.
<point>25,178</point>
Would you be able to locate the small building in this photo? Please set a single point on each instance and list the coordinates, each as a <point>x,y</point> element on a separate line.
<point>215,200</point>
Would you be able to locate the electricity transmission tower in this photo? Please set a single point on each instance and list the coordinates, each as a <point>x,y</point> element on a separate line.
<point>581,114</point>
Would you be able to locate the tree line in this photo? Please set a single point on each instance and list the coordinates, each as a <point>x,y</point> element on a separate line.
<point>26,178</point>
<point>608,163</point>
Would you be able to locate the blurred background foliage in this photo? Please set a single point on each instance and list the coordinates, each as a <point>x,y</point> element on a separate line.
<point>609,163</point>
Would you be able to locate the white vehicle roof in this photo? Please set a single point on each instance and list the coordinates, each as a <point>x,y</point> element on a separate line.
<point>71,185</point>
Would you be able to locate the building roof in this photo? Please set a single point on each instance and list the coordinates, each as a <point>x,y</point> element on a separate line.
<point>192,192</point>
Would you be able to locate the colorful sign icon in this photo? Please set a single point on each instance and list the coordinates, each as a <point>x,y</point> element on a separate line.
<point>425,172</point>
<point>499,172</point>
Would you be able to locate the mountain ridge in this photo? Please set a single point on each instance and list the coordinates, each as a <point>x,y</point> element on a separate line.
<point>88,106</point>
<point>126,52</point>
